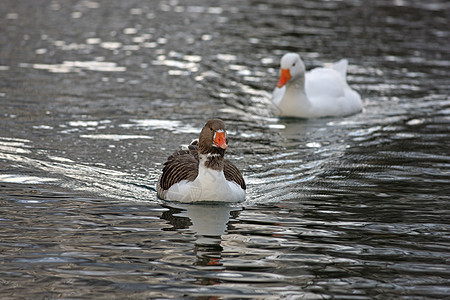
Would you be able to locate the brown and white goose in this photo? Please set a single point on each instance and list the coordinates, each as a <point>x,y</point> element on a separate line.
<point>200,172</point>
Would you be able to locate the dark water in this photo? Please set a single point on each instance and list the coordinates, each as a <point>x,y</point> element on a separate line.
<point>94,95</point>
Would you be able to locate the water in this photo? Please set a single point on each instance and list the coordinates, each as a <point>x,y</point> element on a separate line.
<point>94,95</point>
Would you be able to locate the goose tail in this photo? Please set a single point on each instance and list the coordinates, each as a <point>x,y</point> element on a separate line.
<point>341,67</point>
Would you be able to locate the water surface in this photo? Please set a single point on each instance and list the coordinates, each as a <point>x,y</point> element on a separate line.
<point>94,95</point>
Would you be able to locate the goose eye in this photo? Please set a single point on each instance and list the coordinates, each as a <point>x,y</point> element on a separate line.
<point>293,64</point>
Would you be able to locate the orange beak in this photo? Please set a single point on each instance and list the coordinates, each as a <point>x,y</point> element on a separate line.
<point>284,77</point>
<point>220,139</point>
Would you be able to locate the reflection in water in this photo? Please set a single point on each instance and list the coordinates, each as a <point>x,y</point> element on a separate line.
<point>208,222</point>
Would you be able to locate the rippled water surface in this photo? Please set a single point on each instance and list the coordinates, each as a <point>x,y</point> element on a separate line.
<point>94,95</point>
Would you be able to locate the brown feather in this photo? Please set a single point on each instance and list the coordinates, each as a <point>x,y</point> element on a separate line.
<point>232,173</point>
<point>181,165</point>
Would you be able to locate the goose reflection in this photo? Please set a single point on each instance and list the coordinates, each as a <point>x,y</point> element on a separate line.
<point>208,222</point>
<point>295,128</point>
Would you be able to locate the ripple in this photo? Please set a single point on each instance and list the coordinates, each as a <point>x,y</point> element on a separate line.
<point>25,179</point>
<point>93,41</point>
<point>115,137</point>
<point>76,66</point>
<point>189,66</point>
<point>111,45</point>
<point>52,260</point>
<point>226,57</point>
<point>130,31</point>
<point>12,16</point>
<point>175,126</point>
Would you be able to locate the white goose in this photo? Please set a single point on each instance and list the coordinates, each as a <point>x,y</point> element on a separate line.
<point>200,173</point>
<point>321,92</point>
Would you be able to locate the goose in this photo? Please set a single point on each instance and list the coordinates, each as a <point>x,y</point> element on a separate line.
<point>200,172</point>
<point>321,92</point>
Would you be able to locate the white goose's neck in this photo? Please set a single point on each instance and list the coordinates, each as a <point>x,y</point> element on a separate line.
<point>297,87</point>
<point>295,101</point>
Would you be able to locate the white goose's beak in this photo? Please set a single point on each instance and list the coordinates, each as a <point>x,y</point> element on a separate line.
<point>284,77</point>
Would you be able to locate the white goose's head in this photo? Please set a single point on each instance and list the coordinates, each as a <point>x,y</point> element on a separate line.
<point>292,67</point>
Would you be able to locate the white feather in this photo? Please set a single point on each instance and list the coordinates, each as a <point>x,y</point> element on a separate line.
<point>210,185</point>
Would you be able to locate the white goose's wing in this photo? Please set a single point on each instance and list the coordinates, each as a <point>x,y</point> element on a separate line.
<point>329,93</point>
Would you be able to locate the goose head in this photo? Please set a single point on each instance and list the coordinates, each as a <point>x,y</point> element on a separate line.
<point>213,138</point>
<point>292,68</point>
